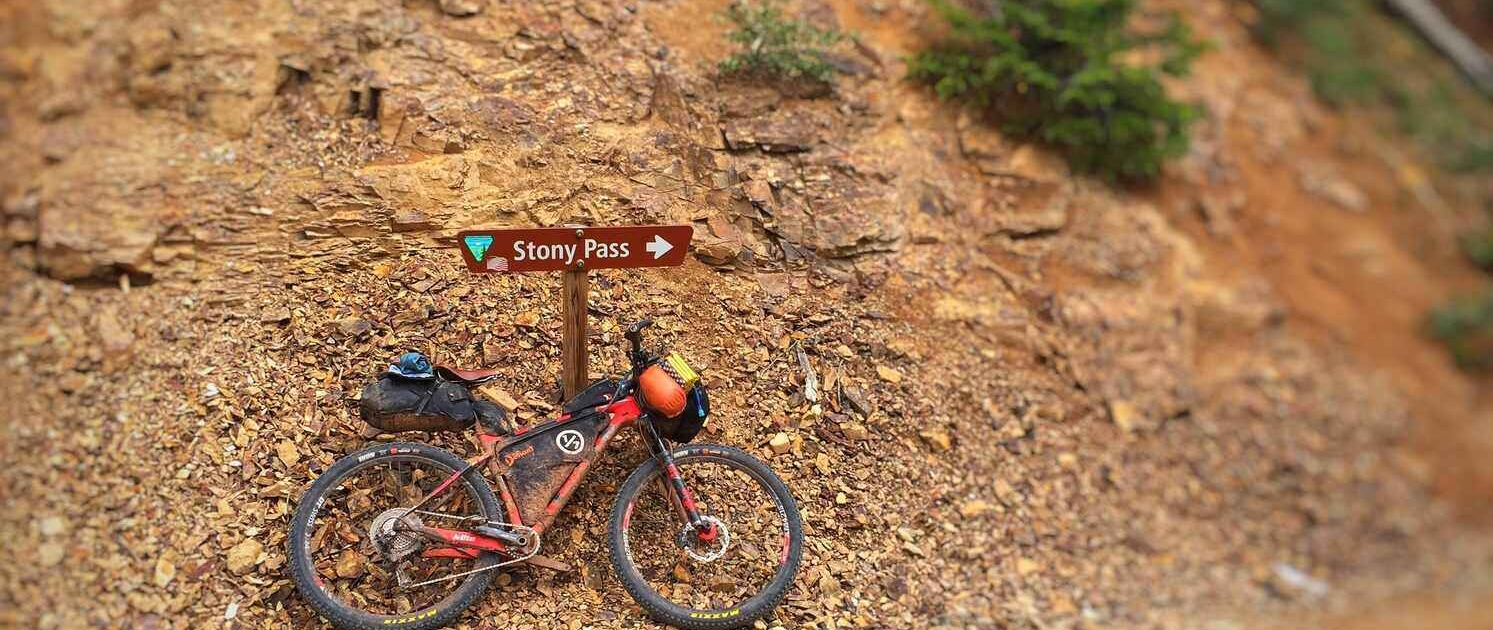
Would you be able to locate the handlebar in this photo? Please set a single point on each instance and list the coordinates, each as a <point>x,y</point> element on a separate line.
<point>635,331</point>
<point>634,334</point>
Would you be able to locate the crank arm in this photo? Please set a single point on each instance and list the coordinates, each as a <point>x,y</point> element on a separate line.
<point>448,578</point>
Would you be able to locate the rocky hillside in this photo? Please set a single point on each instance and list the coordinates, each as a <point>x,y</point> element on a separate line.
<point>1046,402</point>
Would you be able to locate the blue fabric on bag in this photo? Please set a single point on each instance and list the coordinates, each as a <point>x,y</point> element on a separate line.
<point>412,365</point>
<point>701,402</point>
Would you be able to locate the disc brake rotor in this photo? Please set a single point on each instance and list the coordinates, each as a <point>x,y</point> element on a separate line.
<point>689,539</point>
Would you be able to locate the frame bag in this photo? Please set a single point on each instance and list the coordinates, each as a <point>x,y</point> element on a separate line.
<point>540,461</point>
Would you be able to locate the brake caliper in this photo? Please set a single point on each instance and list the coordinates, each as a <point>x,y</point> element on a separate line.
<point>712,530</point>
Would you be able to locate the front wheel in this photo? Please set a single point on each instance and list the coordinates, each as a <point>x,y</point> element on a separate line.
<point>728,581</point>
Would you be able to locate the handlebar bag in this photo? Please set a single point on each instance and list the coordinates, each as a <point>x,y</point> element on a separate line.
<point>393,403</point>
<point>685,426</point>
<point>660,392</point>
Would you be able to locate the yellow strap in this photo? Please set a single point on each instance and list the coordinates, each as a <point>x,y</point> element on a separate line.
<point>682,369</point>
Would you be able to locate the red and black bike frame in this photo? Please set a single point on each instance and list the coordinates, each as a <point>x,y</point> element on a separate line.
<point>623,411</point>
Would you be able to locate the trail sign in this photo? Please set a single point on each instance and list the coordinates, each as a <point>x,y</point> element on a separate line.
<point>574,250</point>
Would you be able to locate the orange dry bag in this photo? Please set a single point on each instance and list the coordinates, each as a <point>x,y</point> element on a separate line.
<point>661,392</point>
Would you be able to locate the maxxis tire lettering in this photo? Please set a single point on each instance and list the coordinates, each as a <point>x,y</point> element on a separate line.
<point>742,615</point>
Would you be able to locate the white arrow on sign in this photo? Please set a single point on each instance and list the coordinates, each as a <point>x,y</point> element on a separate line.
<point>659,247</point>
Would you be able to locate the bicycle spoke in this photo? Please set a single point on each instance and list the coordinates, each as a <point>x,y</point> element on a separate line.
<point>661,549</point>
<point>358,569</point>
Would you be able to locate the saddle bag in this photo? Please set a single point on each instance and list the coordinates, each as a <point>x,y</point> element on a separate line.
<point>393,403</point>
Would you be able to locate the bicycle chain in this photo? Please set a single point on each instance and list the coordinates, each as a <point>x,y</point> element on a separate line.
<point>532,535</point>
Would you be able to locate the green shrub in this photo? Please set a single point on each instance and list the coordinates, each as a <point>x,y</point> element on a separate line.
<point>772,46</point>
<point>1278,17</point>
<point>1476,157</point>
<point>1057,71</point>
<point>1466,327</point>
<point>1357,55</point>
<point>1333,46</point>
<point>1479,247</point>
<point>1335,58</point>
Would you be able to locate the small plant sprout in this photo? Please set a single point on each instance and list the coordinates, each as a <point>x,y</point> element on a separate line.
<point>770,45</point>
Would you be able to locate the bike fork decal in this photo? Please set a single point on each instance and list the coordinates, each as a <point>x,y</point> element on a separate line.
<point>685,496</point>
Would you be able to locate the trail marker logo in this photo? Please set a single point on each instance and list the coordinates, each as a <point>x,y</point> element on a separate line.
<point>570,441</point>
<point>478,244</point>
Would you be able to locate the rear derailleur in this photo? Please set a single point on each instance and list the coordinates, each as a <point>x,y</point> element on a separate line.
<point>397,542</point>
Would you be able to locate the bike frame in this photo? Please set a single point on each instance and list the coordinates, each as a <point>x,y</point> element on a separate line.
<point>623,411</point>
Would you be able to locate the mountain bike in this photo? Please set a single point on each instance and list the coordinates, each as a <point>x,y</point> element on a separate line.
<point>408,535</point>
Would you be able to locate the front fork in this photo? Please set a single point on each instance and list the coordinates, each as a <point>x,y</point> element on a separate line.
<point>679,495</point>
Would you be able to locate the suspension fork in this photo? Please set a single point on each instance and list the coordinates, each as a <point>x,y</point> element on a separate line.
<point>681,497</point>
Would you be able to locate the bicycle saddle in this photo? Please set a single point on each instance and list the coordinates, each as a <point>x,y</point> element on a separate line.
<point>466,377</point>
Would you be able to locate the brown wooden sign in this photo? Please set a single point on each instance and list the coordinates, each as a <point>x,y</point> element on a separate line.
<point>574,248</point>
<point>575,251</point>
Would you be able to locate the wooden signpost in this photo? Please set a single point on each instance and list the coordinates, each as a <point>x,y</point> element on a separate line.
<point>574,251</point>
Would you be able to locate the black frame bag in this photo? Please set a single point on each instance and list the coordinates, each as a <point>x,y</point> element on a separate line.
<point>598,393</point>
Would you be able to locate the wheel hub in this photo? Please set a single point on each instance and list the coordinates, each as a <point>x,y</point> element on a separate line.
<point>706,544</point>
<point>391,534</point>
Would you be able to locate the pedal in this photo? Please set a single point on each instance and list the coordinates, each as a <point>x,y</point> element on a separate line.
<point>548,563</point>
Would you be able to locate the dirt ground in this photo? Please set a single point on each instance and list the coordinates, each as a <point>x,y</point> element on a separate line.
<point>1050,403</point>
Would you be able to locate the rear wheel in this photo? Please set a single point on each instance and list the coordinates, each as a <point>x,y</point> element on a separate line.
<point>727,578</point>
<point>351,557</point>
